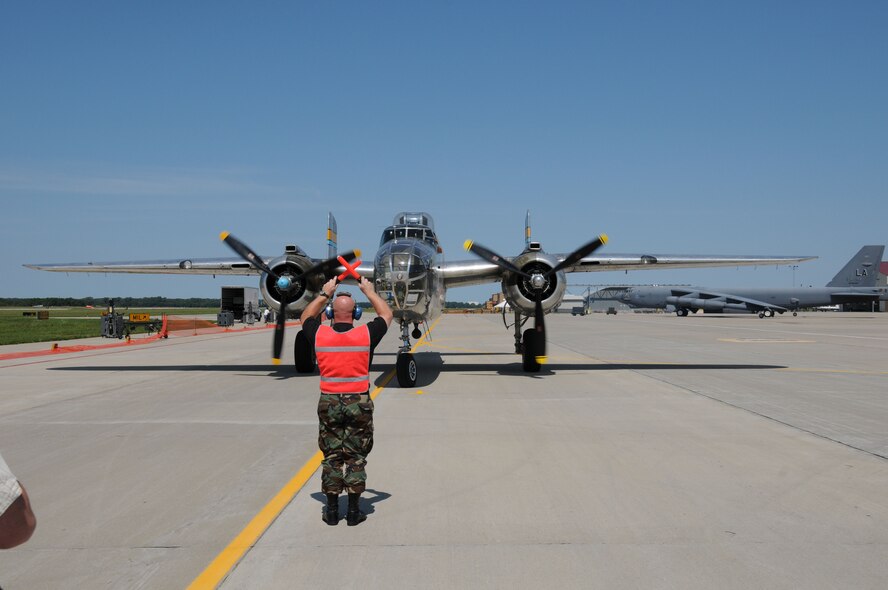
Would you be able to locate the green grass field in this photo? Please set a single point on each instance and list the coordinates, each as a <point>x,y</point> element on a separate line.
<point>67,323</point>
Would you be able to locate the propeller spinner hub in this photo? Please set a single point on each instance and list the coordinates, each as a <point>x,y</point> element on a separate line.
<point>284,283</point>
<point>538,281</point>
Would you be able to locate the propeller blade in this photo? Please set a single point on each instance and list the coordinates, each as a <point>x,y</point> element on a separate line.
<point>580,253</point>
<point>278,344</point>
<point>539,326</point>
<point>246,253</point>
<point>284,283</point>
<point>330,265</point>
<point>493,257</point>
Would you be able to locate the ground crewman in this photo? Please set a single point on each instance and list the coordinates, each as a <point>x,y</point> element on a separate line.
<point>345,410</point>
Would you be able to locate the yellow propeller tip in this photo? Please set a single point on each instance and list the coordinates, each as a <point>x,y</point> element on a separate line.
<point>223,235</point>
<point>468,245</point>
<point>604,238</point>
<point>275,361</point>
<point>357,253</point>
<point>542,359</point>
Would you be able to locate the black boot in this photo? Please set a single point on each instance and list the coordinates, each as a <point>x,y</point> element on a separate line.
<point>354,516</point>
<point>330,513</point>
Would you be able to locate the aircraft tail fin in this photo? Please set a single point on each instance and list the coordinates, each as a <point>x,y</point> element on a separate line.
<point>862,270</point>
<point>331,235</point>
<point>527,229</point>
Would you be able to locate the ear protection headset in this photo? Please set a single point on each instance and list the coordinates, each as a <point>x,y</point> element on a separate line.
<point>356,312</point>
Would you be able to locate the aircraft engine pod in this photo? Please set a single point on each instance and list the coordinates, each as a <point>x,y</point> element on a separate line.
<point>519,291</point>
<point>300,293</point>
<point>711,305</point>
<point>696,303</point>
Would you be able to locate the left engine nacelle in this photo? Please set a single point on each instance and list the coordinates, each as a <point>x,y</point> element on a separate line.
<point>519,291</point>
<point>304,288</point>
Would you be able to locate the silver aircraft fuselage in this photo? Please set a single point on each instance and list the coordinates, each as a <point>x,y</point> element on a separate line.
<point>406,269</point>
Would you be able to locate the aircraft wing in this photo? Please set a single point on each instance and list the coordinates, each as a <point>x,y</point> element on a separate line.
<point>475,272</point>
<point>655,261</point>
<point>185,266</point>
<point>191,266</point>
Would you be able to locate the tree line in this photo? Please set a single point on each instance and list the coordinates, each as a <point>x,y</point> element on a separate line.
<point>103,301</point>
<point>149,302</point>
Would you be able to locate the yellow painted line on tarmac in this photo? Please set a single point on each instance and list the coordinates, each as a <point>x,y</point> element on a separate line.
<point>220,567</point>
<point>215,573</point>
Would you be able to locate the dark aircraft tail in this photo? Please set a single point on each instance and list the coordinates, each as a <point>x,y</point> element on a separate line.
<point>862,270</point>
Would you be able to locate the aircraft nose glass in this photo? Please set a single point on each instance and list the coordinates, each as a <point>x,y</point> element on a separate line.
<point>400,274</point>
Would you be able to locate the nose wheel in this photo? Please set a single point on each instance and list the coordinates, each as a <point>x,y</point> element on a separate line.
<point>406,365</point>
<point>406,370</point>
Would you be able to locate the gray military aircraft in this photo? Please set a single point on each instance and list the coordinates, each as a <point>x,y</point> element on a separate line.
<point>409,270</point>
<point>855,283</point>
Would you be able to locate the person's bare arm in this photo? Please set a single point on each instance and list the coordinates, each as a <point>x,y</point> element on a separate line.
<point>379,305</point>
<point>17,524</point>
<point>317,305</point>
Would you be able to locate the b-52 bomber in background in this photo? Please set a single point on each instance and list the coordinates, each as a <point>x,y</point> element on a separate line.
<point>410,272</point>
<point>855,283</point>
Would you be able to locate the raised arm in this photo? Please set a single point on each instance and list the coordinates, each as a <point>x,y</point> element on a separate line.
<point>379,305</point>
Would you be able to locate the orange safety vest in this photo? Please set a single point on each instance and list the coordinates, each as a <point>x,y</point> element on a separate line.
<point>343,359</point>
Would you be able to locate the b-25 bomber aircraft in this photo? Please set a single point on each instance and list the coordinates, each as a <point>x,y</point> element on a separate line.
<point>855,283</point>
<point>410,272</point>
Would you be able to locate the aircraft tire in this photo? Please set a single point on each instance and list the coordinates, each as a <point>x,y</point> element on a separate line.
<point>302,353</point>
<point>528,361</point>
<point>406,369</point>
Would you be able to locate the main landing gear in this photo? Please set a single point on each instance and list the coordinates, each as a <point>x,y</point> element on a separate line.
<point>303,354</point>
<point>528,360</point>
<point>526,344</point>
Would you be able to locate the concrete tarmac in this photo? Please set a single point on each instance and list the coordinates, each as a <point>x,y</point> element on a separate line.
<point>651,452</point>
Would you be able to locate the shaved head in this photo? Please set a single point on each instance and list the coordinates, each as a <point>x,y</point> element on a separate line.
<point>343,308</point>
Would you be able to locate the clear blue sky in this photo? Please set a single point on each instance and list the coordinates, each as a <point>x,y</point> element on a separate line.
<point>140,130</point>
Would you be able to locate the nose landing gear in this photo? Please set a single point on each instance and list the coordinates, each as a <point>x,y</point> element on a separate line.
<point>405,367</point>
<point>406,370</point>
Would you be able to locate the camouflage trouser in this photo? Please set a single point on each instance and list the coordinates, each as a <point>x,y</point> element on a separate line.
<point>345,438</point>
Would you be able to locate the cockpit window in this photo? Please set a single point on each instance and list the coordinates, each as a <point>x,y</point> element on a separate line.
<point>414,218</point>
<point>416,226</point>
<point>416,233</point>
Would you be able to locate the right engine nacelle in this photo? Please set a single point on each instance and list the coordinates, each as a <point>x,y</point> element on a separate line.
<point>519,291</point>
<point>304,289</point>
